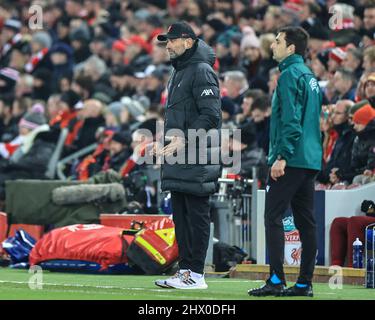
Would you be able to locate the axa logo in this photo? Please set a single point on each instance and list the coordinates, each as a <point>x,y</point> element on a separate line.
<point>207,92</point>
<point>314,85</point>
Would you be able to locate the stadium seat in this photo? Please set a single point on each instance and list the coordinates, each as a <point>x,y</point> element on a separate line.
<point>36,231</point>
<point>3,229</point>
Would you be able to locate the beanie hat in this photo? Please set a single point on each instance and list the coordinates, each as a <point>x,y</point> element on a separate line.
<point>217,25</point>
<point>71,98</point>
<point>62,48</point>
<point>43,38</point>
<point>32,120</point>
<point>249,39</point>
<point>38,108</point>
<point>364,115</point>
<point>80,34</point>
<point>338,54</point>
<point>135,108</point>
<point>358,106</point>
<point>122,137</point>
<point>13,24</point>
<point>116,108</point>
<point>227,105</point>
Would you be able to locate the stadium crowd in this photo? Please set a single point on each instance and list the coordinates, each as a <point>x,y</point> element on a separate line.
<point>97,69</point>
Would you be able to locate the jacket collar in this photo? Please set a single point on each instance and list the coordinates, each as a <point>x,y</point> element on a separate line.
<point>183,61</point>
<point>294,58</point>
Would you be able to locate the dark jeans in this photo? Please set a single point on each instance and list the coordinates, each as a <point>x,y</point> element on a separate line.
<point>296,188</point>
<point>192,224</point>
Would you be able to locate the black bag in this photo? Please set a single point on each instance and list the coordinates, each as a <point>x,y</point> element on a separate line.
<point>226,256</point>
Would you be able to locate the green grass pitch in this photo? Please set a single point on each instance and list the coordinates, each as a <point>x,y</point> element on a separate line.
<point>14,284</point>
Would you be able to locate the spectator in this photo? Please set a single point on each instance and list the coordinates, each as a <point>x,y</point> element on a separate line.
<point>42,78</point>
<point>62,61</point>
<point>20,55</point>
<point>227,113</point>
<point>92,116</point>
<point>369,89</point>
<point>251,154</point>
<point>155,85</point>
<point>338,164</point>
<point>40,45</point>
<point>344,82</point>
<point>8,80</point>
<point>30,160</point>
<point>83,86</point>
<point>236,84</point>
<point>320,66</point>
<point>369,59</point>
<point>249,97</point>
<point>363,154</point>
<point>10,37</point>
<point>260,115</point>
<point>335,58</point>
<point>252,59</point>
<point>79,39</point>
<point>353,61</point>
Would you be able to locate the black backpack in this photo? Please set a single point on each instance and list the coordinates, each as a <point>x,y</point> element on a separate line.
<point>226,256</point>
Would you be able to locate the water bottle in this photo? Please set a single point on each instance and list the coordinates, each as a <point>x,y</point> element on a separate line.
<point>357,254</point>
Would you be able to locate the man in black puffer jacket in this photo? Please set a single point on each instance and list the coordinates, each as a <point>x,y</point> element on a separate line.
<point>193,103</point>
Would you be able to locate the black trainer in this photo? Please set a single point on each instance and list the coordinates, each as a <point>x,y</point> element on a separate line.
<point>299,291</point>
<point>269,289</point>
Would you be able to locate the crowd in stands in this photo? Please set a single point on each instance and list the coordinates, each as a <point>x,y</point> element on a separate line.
<point>97,69</point>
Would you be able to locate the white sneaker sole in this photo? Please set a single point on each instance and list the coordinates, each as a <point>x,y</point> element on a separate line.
<point>200,287</point>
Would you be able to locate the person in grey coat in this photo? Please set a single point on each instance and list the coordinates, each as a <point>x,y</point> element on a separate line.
<point>193,103</point>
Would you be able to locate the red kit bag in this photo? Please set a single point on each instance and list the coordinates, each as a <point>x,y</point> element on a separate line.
<point>154,248</point>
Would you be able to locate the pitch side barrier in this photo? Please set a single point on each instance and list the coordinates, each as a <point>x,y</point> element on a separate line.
<point>329,204</point>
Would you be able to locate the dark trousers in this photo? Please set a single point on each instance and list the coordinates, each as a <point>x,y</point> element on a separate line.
<point>192,225</point>
<point>296,188</point>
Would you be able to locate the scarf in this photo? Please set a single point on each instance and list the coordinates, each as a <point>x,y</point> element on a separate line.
<point>9,45</point>
<point>35,60</point>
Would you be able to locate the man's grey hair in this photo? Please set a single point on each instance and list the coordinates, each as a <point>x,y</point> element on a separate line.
<point>237,76</point>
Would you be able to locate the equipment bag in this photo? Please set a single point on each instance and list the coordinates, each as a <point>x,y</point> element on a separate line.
<point>19,246</point>
<point>154,248</point>
<point>84,242</point>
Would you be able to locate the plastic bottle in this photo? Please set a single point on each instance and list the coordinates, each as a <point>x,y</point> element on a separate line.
<point>357,254</point>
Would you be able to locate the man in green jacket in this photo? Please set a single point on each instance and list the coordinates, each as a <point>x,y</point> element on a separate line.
<point>295,156</point>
